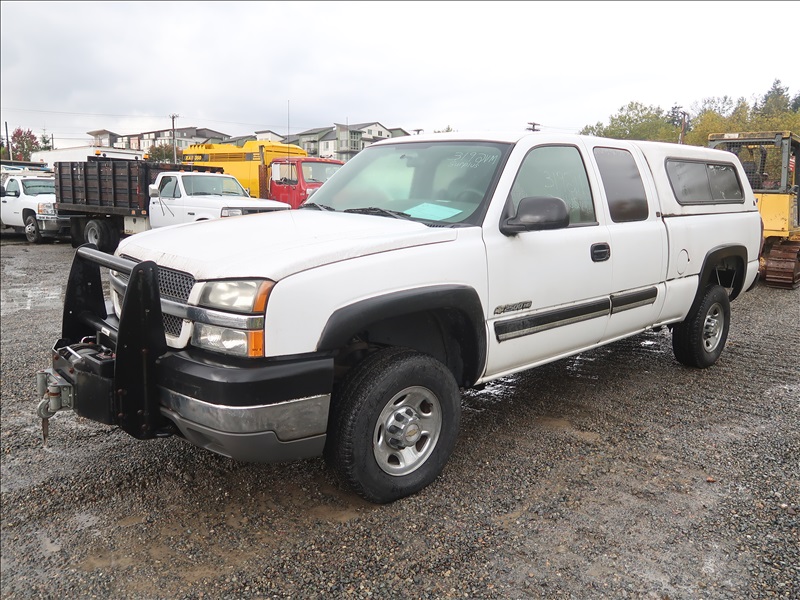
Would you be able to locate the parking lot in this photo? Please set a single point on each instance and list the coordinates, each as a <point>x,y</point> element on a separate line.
<point>616,473</point>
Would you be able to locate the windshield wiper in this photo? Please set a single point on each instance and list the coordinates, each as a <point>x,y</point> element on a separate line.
<point>377,210</point>
<point>316,206</point>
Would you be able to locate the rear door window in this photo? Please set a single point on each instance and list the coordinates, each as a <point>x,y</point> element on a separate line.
<point>623,185</point>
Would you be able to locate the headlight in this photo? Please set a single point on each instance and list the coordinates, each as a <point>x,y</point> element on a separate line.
<point>46,208</point>
<point>241,296</point>
<point>228,341</point>
<point>245,296</point>
<point>231,212</point>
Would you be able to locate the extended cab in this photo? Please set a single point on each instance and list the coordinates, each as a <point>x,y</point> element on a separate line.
<point>27,204</point>
<point>427,264</point>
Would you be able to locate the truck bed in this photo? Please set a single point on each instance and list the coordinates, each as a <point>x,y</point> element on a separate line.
<point>113,187</point>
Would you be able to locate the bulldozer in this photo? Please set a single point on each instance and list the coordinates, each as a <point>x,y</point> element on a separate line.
<point>770,161</point>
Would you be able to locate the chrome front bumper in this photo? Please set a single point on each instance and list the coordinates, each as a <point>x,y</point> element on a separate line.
<point>267,433</point>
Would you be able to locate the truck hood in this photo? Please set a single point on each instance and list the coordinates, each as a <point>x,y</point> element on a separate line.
<point>241,201</point>
<point>276,244</point>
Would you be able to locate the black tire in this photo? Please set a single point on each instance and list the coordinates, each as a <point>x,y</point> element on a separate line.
<point>76,232</point>
<point>101,234</point>
<point>699,340</point>
<point>114,237</point>
<point>32,233</point>
<point>379,456</point>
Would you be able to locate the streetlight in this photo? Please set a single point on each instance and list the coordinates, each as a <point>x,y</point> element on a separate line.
<point>174,149</point>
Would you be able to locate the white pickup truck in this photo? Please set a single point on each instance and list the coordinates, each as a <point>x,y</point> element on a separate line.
<point>106,200</point>
<point>427,264</point>
<point>27,204</point>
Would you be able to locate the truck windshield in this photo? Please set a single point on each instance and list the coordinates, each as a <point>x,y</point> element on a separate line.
<point>218,185</point>
<point>435,182</point>
<point>34,187</point>
<point>318,172</point>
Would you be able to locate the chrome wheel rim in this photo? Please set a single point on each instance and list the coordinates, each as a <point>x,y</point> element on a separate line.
<point>92,237</point>
<point>713,327</point>
<point>407,431</point>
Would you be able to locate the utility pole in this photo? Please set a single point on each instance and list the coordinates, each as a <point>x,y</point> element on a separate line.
<point>174,149</point>
<point>533,126</point>
<point>8,143</point>
<point>679,118</point>
<point>684,124</point>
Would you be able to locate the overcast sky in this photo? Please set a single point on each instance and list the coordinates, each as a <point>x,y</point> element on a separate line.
<point>241,67</point>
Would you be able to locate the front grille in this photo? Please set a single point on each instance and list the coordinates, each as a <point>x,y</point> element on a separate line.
<point>175,285</point>
<point>257,211</point>
<point>172,325</point>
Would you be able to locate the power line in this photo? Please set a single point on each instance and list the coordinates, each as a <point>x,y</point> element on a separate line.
<point>58,112</point>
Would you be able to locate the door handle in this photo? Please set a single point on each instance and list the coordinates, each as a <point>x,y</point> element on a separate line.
<point>601,252</point>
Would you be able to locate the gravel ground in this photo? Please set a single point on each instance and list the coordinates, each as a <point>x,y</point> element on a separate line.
<point>617,473</point>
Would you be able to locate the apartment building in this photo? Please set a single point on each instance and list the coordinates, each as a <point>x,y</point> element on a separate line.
<point>339,141</point>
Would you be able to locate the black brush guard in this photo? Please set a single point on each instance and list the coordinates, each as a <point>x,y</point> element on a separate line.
<point>103,367</point>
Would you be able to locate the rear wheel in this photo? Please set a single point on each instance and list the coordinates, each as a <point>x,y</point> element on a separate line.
<point>101,234</point>
<point>698,341</point>
<point>32,233</point>
<point>394,424</point>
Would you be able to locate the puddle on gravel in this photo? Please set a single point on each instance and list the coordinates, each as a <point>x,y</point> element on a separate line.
<point>14,300</point>
<point>48,546</point>
<point>564,426</point>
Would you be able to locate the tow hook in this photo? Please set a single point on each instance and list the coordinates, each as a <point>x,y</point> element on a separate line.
<point>55,393</point>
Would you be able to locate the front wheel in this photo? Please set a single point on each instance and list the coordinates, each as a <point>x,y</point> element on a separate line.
<point>698,341</point>
<point>394,424</point>
<point>32,233</point>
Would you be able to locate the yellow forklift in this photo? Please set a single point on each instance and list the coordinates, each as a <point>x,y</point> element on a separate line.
<point>770,161</point>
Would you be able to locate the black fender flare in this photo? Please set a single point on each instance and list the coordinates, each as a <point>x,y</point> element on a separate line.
<point>348,320</point>
<point>714,257</point>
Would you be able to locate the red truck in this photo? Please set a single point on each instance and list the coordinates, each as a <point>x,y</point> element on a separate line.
<point>293,180</point>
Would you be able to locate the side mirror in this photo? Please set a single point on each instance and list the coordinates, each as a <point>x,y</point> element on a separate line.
<point>152,189</point>
<point>536,213</point>
<point>2,191</point>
